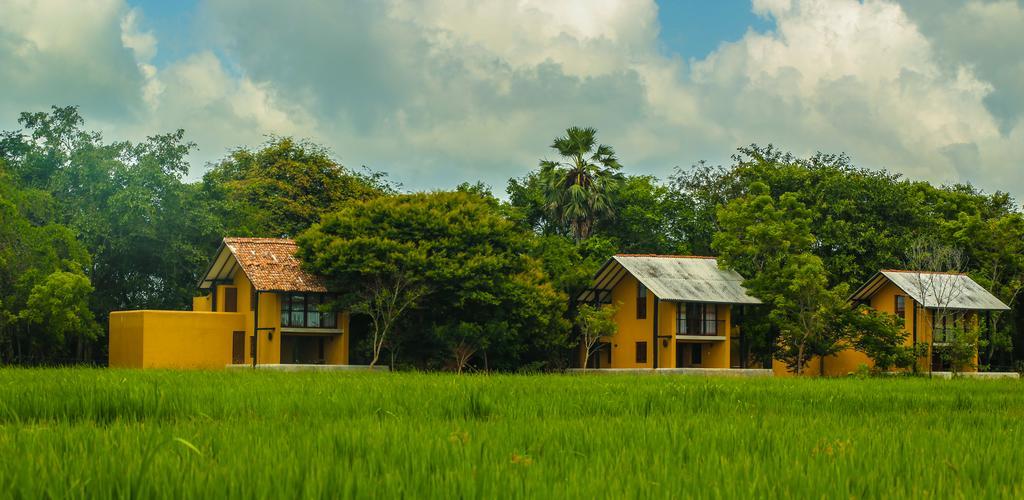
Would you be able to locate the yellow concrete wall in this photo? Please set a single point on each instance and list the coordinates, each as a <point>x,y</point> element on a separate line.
<point>172,339</point>
<point>716,354</point>
<point>337,347</point>
<point>125,339</point>
<point>631,329</point>
<point>203,303</point>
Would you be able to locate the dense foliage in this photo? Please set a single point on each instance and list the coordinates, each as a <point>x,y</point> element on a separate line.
<point>480,288</point>
<point>90,226</point>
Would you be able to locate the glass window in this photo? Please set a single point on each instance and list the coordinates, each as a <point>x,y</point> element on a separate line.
<point>286,310</point>
<point>313,311</point>
<point>641,301</point>
<point>303,311</point>
<point>680,318</point>
<point>329,319</point>
<point>901,306</point>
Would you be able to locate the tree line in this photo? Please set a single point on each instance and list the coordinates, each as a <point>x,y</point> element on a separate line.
<point>464,279</point>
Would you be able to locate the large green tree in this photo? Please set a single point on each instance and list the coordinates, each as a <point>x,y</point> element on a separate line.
<point>283,187</point>
<point>44,294</point>
<point>147,232</point>
<point>768,241</point>
<point>473,264</point>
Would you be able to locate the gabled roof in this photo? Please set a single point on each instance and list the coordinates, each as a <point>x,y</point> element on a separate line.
<point>934,289</point>
<point>673,278</point>
<point>269,263</point>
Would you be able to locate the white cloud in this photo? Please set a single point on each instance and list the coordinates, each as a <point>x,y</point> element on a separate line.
<point>440,91</point>
<point>859,77</point>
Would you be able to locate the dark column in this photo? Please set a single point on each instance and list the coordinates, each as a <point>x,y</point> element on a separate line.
<point>256,329</point>
<point>657,303</point>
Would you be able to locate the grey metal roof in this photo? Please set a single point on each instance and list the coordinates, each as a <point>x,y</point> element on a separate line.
<point>933,290</point>
<point>672,278</point>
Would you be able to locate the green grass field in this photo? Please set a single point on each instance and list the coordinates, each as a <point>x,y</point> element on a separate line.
<point>109,433</point>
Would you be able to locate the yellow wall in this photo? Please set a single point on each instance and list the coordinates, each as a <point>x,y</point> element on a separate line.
<point>172,339</point>
<point>202,303</point>
<point>203,339</point>
<point>633,330</point>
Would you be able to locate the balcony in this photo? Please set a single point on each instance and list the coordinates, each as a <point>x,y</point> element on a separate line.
<point>701,329</point>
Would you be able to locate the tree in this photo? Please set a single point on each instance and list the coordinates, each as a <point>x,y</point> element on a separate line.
<point>881,337</point>
<point>42,288</point>
<point>60,305</point>
<point>807,314</point>
<point>959,347</point>
<point>594,323</point>
<point>931,262</point>
<point>995,247</point>
<point>862,219</point>
<point>146,233</point>
<point>577,187</point>
<point>769,242</point>
<point>475,265</point>
<point>384,299</point>
<point>284,187</point>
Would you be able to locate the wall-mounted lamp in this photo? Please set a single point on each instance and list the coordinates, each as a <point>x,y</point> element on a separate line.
<point>664,342</point>
<point>270,335</point>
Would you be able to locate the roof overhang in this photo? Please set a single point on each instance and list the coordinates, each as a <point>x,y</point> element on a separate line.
<point>221,270</point>
<point>671,279</point>
<point>934,289</point>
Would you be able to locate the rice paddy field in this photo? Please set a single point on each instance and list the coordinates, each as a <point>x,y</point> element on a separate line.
<point>157,434</point>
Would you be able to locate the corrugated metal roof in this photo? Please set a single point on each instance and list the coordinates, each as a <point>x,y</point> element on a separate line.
<point>674,278</point>
<point>269,263</point>
<point>932,290</point>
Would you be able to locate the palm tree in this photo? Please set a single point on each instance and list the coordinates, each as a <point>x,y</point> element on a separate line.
<point>577,188</point>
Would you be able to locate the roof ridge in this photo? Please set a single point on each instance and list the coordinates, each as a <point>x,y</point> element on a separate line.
<point>665,256</point>
<point>951,273</point>
<point>245,239</point>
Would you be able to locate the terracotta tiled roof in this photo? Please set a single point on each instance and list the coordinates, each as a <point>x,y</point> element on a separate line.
<point>271,265</point>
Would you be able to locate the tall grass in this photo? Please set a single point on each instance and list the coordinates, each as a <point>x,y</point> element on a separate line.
<point>130,434</point>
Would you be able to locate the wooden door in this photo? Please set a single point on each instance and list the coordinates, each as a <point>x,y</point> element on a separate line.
<point>230,299</point>
<point>238,348</point>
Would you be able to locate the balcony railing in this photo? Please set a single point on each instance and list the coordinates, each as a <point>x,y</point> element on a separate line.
<point>710,327</point>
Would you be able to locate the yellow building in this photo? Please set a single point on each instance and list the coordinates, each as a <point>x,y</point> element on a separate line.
<point>260,307</point>
<point>673,312</point>
<point>930,305</point>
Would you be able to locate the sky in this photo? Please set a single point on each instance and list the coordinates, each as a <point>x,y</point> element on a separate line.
<point>437,92</point>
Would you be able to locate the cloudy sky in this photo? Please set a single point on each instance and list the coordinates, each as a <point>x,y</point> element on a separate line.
<point>436,92</point>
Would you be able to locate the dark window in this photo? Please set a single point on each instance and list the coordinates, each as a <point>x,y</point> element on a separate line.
<point>230,299</point>
<point>641,301</point>
<point>238,348</point>
<point>901,306</point>
<point>680,318</point>
<point>252,298</point>
<point>641,352</point>
<point>695,354</point>
<point>303,311</point>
